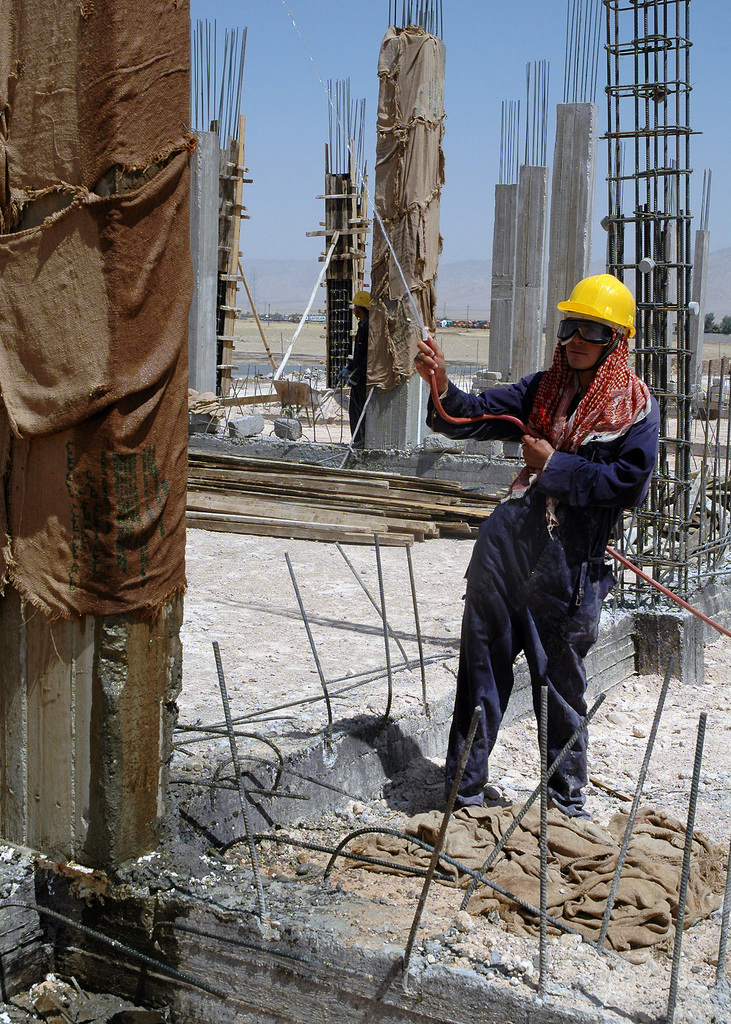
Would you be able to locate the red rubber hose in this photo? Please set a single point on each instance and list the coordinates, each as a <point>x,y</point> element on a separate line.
<point>459,420</point>
<point>668,593</point>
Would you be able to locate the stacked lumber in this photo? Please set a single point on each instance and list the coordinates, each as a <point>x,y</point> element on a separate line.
<point>238,494</point>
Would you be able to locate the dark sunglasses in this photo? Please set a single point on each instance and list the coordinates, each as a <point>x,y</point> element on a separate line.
<point>588,330</point>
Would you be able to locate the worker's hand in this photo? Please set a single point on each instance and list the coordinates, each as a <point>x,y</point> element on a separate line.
<point>429,362</point>
<point>536,452</point>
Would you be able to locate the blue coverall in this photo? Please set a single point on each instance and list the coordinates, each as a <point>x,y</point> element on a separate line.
<point>540,592</point>
<point>358,373</point>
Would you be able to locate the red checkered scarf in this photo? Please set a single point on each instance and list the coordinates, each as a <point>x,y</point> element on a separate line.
<point>616,399</point>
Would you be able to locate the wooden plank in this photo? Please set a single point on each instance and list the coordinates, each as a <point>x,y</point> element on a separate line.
<point>283,480</point>
<point>394,480</point>
<point>249,504</point>
<point>268,399</point>
<point>358,504</point>
<point>349,500</point>
<point>297,531</point>
<point>383,494</point>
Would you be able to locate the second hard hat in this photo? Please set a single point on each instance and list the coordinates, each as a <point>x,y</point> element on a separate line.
<point>605,297</point>
<point>362,299</point>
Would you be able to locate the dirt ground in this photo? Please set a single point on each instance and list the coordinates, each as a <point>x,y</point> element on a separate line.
<point>241,594</point>
<point>463,346</point>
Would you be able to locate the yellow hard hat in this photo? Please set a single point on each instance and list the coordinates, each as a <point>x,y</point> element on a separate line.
<point>604,297</point>
<point>362,299</point>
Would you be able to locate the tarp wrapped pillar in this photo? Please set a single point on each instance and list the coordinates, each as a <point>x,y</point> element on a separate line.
<point>409,178</point>
<point>95,277</point>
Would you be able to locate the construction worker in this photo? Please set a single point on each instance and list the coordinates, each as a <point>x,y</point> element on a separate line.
<point>537,576</point>
<point>358,367</point>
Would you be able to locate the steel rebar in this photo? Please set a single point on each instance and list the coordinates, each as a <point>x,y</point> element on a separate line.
<point>425,701</point>
<point>685,871</point>
<point>243,798</point>
<point>216,96</point>
<point>377,545</point>
<point>367,677</point>
<point>635,804</point>
<point>543,732</point>
<point>725,920</point>
<point>339,851</point>
<point>513,897</point>
<point>373,601</point>
<point>441,838</point>
<point>321,674</point>
<point>351,450</point>
<point>120,947</point>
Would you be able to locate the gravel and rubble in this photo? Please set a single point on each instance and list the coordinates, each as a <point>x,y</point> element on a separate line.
<point>632,987</point>
<point>240,594</point>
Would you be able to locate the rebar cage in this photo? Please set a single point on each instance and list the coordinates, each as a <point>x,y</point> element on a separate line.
<point>649,237</point>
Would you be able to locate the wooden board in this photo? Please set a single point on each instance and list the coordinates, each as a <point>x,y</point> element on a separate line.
<point>202,501</point>
<point>295,530</point>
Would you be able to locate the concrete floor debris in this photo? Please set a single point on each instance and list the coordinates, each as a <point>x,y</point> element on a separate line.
<point>333,951</point>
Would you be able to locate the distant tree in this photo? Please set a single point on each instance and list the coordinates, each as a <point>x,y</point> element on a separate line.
<point>709,325</point>
<point>726,325</point>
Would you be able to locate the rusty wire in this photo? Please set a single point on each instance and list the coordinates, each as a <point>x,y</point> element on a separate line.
<point>120,947</point>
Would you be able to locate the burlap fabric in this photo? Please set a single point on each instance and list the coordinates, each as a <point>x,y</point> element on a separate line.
<point>409,178</point>
<point>95,285</point>
<point>581,862</point>
<point>85,86</point>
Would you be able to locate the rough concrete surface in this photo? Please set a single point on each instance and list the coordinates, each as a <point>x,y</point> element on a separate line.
<point>350,933</point>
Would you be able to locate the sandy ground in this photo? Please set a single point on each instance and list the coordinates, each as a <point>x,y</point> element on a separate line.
<point>241,594</point>
<point>469,347</point>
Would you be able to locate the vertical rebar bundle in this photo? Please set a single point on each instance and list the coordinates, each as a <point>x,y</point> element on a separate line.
<point>346,127</point>
<point>346,207</point>
<point>217,80</point>
<point>216,90</point>
<point>581,61</point>
<point>426,14</point>
<point>536,112</point>
<point>509,142</point>
<point>649,130</point>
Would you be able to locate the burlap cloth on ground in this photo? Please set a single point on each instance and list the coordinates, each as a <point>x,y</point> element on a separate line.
<point>581,862</point>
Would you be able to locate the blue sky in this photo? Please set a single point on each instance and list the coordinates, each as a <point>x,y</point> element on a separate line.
<point>488,45</point>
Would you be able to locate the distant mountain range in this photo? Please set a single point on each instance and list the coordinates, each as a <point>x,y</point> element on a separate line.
<point>463,289</point>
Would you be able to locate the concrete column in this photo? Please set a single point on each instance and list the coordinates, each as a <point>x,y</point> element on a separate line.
<point>572,208</point>
<point>698,294</point>
<point>502,294</point>
<point>529,272</point>
<point>87,701</point>
<point>395,419</point>
<point>204,251</point>
<point>87,710</point>
<point>406,240</point>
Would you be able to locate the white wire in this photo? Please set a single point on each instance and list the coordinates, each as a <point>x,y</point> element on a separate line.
<point>306,313</point>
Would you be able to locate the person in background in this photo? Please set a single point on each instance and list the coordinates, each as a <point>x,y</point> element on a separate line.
<point>537,576</point>
<point>357,368</point>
